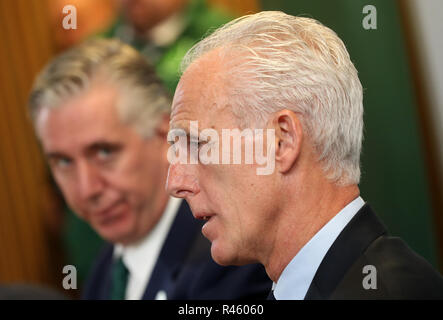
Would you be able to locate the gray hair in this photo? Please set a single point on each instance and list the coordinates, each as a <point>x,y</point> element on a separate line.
<point>143,101</point>
<point>294,63</point>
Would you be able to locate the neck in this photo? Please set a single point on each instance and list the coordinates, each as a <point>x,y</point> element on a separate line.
<point>153,211</point>
<point>303,214</point>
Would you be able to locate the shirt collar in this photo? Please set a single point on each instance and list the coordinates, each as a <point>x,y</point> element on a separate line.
<point>163,34</point>
<point>166,32</point>
<point>296,278</point>
<point>140,257</point>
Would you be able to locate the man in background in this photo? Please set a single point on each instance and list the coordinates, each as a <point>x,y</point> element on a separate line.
<point>102,115</point>
<point>163,30</point>
<point>304,220</point>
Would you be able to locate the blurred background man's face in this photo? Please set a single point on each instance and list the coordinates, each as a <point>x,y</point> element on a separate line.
<point>109,174</point>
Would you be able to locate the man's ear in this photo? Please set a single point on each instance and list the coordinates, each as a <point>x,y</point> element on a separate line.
<point>162,128</point>
<point>288,138</point>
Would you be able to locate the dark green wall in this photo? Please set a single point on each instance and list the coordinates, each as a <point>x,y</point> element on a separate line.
<point>394,178</point>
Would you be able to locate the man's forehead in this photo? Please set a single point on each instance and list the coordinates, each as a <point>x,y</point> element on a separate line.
<point>186,103</point>
<point>74,127</point>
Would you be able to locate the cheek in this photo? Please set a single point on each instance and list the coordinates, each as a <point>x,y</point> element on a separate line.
<point>227,188</point>
<point>69,189</point>
<point>250,207</point>
<point>129,173</point>
<point>138,180</point>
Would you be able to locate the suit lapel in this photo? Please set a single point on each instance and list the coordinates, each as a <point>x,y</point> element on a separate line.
<point>101,284</point>
<point>358,234</point>
<point>174,251</point>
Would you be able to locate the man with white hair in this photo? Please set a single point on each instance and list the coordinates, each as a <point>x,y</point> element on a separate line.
<point>305,221</point>
<point>102,117</point>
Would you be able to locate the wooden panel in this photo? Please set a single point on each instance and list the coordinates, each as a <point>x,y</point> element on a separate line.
<point>236,7</point>
<point>26,238</point>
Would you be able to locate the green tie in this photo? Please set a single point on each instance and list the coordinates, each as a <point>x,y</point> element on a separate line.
<point>119,279</point>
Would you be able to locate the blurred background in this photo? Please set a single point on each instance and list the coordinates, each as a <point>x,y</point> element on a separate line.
<point>400,65</point>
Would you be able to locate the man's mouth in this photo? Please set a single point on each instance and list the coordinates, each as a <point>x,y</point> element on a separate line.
<point>208,224</point>
<point>111,213</point>
<point>203,216</point>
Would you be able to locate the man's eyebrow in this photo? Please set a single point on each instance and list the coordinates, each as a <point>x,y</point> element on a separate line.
<point>179,127</point>
<point>99,145</point>
<point>89,148</point>
<point>175,128</point>
<point>55,155</point>
<point>103,144</point>
<point>189,137</point>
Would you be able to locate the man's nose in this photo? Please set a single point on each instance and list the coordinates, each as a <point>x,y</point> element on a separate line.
<point>90,183</point>
<point>181,181</point>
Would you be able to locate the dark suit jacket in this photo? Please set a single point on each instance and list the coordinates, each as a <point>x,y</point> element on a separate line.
<point>21,291</point>
<point>185,269</point>
<point>400,272</point>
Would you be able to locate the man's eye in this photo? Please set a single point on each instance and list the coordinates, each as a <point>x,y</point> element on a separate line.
<point>62,163</point>
<point>104,153</point>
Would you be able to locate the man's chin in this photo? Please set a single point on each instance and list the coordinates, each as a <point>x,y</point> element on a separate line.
<point>123,239</point>
<point>221,256</point>
<point>226,256</point>
<point>116,234</point>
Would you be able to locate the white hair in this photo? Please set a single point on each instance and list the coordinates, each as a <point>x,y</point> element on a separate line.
<point>294,63</point>
<point>143,99</point>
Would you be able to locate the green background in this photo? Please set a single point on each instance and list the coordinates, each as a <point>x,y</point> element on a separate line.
<point>394,177</point>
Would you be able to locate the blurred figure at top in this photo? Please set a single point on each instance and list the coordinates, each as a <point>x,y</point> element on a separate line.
<point>164,30</point>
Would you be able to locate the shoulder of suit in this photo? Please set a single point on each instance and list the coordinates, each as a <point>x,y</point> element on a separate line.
<point>400,272</point>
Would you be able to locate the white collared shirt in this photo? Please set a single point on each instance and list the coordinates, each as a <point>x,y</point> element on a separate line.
<point>296,278</point>
<point>166,32</point>
<point>140,258</point>
<point>161,35</point>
